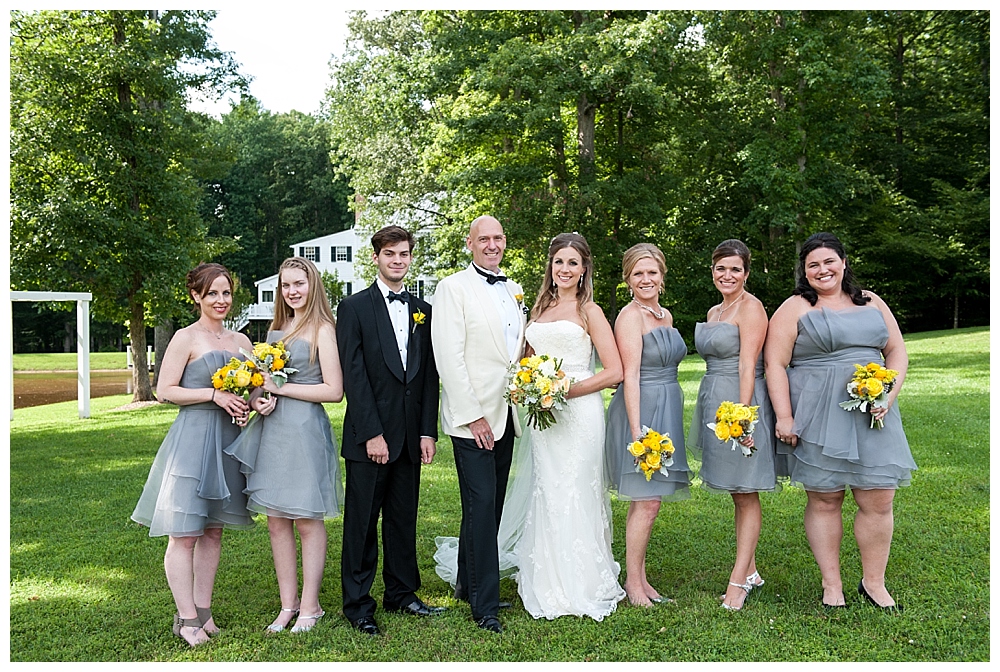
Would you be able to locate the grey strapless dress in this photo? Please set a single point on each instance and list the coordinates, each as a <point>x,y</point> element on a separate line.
<point>661,407</point>
<point>289,457</point>
<point>837,448</point>
<point>192,484</point>
<point>722,468</point>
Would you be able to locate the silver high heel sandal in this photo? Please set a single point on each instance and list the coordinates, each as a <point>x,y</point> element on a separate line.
<point>746,588</point>
<point>281,628</point>
<point>306,628</point>
<point>755,581</point>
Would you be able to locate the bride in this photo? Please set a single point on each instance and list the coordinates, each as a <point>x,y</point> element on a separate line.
<point>557,517</point>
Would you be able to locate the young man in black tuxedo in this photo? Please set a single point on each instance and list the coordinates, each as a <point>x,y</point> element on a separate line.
<point>390,429</point>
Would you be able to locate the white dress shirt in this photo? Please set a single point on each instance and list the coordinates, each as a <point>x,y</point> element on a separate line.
<point>399,315</point>
<point>507,307</point>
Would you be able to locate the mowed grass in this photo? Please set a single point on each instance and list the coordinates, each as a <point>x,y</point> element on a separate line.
<point>87,583</point>
<point>66,361</point>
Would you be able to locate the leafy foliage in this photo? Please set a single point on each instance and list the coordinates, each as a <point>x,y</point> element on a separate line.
<point>682,128</point>
<point>103,192</point>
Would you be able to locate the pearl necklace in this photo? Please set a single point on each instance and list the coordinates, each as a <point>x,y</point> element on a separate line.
<point>658,315</point>
<point>725,308</point>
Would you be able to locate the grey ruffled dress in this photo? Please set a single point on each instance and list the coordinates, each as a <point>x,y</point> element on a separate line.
<point>724,469</point>
<point>192,484</point>
<point>289,457</point>
<point>661,407</point>
<point>837,448</point>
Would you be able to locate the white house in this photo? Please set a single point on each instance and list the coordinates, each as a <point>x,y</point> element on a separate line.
<point>335,253</point>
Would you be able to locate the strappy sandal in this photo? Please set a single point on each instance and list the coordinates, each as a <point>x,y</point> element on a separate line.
<point>205,615</point>
<point>180,623</point>
<point>275,628</point>
<point>746,589</point>
<point>306,628</point>
<point>755,580</point>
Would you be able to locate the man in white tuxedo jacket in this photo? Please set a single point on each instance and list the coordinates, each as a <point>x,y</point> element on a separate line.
<point>477,332</point>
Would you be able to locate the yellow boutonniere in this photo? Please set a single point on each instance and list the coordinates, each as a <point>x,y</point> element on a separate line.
<point>418,319</point>
<point>520,302</point>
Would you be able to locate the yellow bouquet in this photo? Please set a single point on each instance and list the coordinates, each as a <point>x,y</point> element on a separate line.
<point>271,358</point>
<point>869,388</point>
<point>733,421</point>
<point>237,377</point>
<point>538,384</point>
<point>652,452</point>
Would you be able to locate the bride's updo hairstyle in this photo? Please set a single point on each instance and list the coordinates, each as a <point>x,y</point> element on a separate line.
<point>200,279</point>
<point>548,294</point>
<point>848,284</point>
<point>637,253</point>
<point>315,313</point>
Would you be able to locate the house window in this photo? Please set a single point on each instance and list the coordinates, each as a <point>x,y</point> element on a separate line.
<point>347,287</point>
<point>342,253</point>
<point>267,296</point>
<point>310,253</point>
<point>416,288</point>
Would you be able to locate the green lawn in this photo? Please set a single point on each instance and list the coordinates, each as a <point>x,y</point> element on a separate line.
<point>66,361</point>
<point>87,584</point>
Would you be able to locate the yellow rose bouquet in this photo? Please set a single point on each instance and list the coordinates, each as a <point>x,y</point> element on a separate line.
<point>271,358</point>
<point>869,388</point>
<point>237,377</point>
<point>652,452</point>
<point>539,384</point>
<point>733,421</point>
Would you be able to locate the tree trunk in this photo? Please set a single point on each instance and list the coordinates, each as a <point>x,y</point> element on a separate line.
<point>162,334</point>
<point>954,321</point>
<point>586,117</point>
<point>140,366</point>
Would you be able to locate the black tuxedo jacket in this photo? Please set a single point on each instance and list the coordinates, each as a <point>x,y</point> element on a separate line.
<point>382,398</point>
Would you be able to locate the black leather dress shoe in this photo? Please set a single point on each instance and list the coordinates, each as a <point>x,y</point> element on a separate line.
<point>490,623</point>
<point>366,624</point>
<point>418,608</point>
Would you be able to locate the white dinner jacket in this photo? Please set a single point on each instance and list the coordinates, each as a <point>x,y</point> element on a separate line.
<point>471,354</point>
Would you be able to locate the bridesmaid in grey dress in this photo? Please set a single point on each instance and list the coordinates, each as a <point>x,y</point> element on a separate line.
<point>814,340</point>
<point>193,490</point>
<point>288,455</point>
<point>731,340</point>
<point>650,395</point>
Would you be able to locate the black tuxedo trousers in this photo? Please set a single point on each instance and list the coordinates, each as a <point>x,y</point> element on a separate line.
<point>482,482</point>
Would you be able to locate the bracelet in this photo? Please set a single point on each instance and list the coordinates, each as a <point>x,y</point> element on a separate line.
<point>213,394</point>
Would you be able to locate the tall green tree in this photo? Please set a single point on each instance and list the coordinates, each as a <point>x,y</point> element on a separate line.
<point>278,186</point>
<point>550,120</point>
<point>103,195</point>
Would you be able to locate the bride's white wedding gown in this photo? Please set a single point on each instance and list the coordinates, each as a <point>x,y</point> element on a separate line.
<point>563,549</point>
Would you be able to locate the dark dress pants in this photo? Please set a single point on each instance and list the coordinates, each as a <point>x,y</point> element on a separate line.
<point>482,481</point>
<point>392,489</point>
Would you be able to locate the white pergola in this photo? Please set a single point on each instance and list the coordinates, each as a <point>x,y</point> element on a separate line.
<point>82,343</point>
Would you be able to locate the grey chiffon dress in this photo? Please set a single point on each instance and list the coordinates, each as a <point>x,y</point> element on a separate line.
<point>838,449</point>
<point>289,457</point>
<point>192,485</point>
<point>661,407</point>
<point>724,469</point>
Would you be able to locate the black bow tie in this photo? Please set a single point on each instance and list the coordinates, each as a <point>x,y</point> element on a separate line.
<point>403,296</point>
<point>490,278</point>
